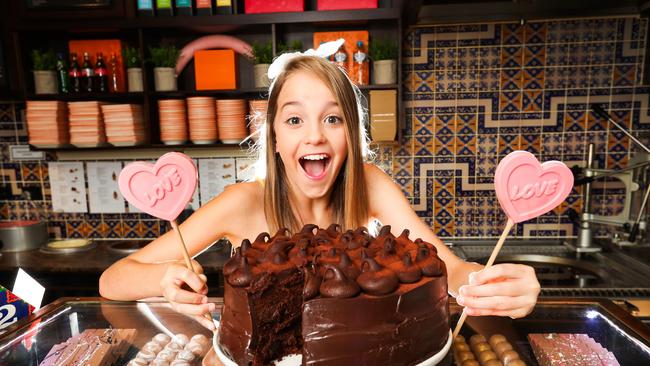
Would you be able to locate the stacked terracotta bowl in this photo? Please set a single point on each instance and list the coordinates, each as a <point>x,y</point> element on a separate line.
<point>47,124</point>
<point>86,124</point>
<point>202,120</point>
<point>124,124</point>
<point>256,116</point>
<point>173,121</point>
<point>231,115</point>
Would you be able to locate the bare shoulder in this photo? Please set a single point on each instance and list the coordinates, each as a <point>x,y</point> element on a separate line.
<point>376,179</point>
<point>240,196</point>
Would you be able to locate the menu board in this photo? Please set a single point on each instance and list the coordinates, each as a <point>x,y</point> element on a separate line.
<point>215,175</point>
<point>68,187</point>
<point>103,190</point>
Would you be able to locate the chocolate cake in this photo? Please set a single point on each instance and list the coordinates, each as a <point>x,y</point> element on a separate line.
<point>96,347</point>
<point>337,298</point>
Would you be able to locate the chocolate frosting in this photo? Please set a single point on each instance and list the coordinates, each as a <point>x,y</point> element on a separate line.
<point>338,285</point>
<point>377,280</point>
<point>351,283</point>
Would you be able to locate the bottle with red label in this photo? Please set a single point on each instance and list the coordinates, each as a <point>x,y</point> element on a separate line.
<point>114,81</point>
<point>75,75</point>
<point>87,75</point>
<point>101,74</point>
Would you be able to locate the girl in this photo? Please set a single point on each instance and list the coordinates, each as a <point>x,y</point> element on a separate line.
<point>313,149</point>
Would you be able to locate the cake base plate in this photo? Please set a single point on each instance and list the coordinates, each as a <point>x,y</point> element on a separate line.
<point>217,354</point>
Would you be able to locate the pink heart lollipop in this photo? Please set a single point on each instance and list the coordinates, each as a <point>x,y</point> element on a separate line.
<point>162,189</point>
<point>526,189</point>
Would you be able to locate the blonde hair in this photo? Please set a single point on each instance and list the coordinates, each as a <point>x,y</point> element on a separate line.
<point>350,185</point>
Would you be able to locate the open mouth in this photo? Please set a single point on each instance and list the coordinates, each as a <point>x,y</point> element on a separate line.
<point>315,165</point>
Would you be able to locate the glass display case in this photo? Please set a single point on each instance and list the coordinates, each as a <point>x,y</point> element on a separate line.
<point>29,341</point>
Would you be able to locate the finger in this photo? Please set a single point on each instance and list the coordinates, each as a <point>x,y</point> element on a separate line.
<point>503,288</point>
<point>514,313</point>
<point>499,271</point>
<point>204,321</point>
<point>192,279</point>
<point>495,302</point>
<point>192,309</point>
<point>197,267</point>
<point>176,294</point>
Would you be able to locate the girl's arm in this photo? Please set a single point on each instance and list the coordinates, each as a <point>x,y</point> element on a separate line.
<point>503,289</point>
<point>140,274</point>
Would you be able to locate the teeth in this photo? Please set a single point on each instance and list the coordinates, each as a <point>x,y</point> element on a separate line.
<point>315,157</point>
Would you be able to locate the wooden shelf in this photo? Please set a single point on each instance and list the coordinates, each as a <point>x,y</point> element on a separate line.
<point>88,96</point>
<point>190,145</point>
<point>214,22</point>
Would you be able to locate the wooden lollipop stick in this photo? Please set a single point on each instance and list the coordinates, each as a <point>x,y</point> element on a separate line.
<point>186,256</point>
<point>489,263</point>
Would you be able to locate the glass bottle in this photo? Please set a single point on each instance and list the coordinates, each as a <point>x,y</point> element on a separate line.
<point>75,74</point>
<point>87,75</point>
<point>62,74</point>
<point>112,72</point>
<point>360,56</point>
<point>341,58</point>
<point>101,74</point>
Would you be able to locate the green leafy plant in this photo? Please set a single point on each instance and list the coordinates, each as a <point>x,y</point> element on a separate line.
<point>383,49</point>
<point>262,53</point>
<point>43,60</point>
<point>291,47</point>
<point>164,56</point>
<point>131,57</point>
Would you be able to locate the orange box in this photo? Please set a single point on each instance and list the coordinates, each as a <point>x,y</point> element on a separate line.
<point>107,47</point>
<point>215,69</point>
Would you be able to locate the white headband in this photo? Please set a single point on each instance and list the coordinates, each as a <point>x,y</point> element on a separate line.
<point>324,50</point>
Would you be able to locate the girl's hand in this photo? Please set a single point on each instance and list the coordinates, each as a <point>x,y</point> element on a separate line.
<point>187,292</point>
<point>502,290</point>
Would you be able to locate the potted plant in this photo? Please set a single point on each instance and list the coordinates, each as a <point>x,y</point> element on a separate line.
<point>164,60</point>
<point>262,57</point>
<point>383,53</point>
<point>44,63</point>
<point>291,47</point>
<point>133,68</point>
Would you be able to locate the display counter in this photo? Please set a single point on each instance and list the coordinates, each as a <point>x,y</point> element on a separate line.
<point>29,341</point>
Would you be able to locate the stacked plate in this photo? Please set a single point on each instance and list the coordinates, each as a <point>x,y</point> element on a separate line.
<point>124,124</point>
<point>173,121</point>
<point>47,124</point>
<point>256,116</point>
<point>202,120</point>
<point>231,119</point>
<point>86,124</point>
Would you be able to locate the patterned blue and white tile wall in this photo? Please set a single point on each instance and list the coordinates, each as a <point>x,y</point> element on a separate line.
<point>472,93</point>
<point>475,92</point>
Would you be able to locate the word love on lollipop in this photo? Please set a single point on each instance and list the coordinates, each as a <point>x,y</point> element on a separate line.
<point>526,189</point>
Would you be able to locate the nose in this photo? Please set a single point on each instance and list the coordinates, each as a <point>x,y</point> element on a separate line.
<point>314,133</point>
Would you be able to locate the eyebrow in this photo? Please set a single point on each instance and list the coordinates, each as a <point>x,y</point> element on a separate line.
<point>296,103</point>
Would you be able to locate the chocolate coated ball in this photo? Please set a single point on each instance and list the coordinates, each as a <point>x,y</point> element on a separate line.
<point>516,362</point>
<point>496,338</point>
<point>461,347</point>
<point>465,355</point>
<point>502,347</point>
<point>481,347</point>
<point>486,356</point>
<point>477,338</point>
<point>459,339</point>
<point>508,356</point>
<point>470,363</point>
<point>493,363</point>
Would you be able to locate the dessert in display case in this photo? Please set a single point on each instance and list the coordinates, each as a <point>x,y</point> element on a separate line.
<point>101,332</point>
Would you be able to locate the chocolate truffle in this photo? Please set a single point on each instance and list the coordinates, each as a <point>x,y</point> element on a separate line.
<point>508,356</point>
<point>486,356</point>
<point>477,338</point>
<point>495,339</point>
<point>501,347</point>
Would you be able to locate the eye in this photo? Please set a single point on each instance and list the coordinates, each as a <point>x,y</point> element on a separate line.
<point>292,121</point>
<point>333,119</point>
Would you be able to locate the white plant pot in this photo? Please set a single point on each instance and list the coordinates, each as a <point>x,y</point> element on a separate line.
<point>165,79</point>
<point>261,75</point>
<point>384,72</point>
<point>134,77</point>
<point>45,82</point>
